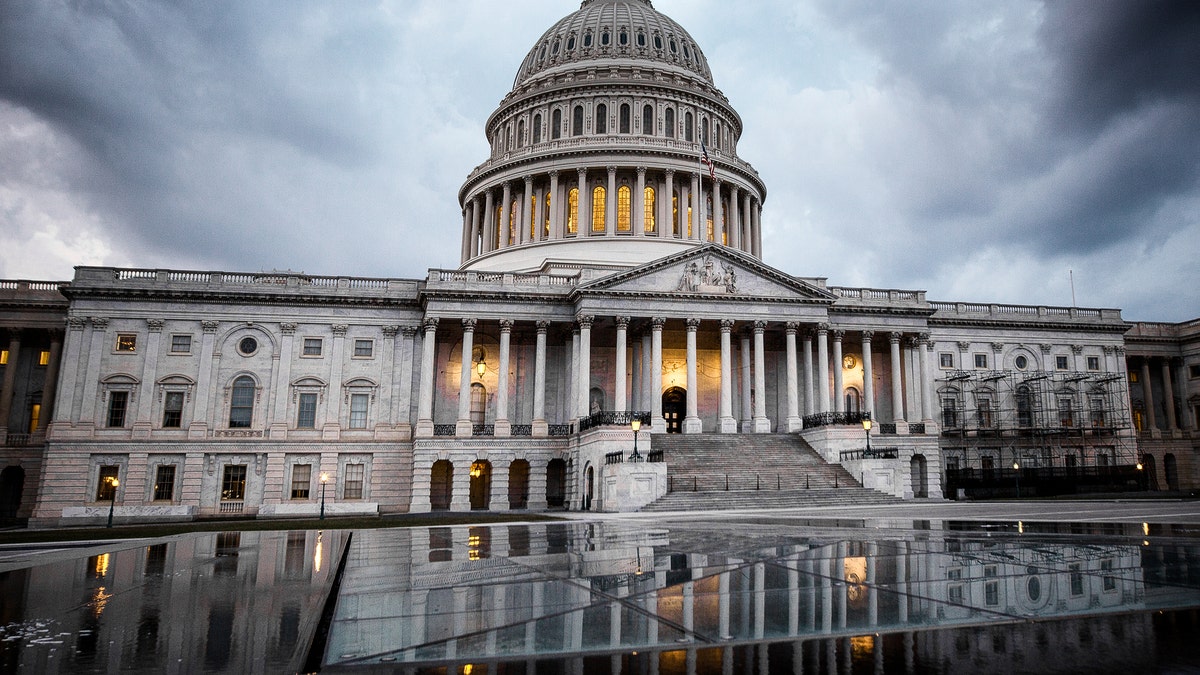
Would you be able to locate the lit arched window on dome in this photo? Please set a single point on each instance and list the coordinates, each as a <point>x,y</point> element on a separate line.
<point>675,215</point>
<point>598,209</point>
<point>647,120</point>
<point>533,204</point>
<point>601,118</point>
<point>687,128</point>
<point>624,117</point>
<point>709,232</point>
<point>573,211</point>
<point>499,226</point>
<point>537,129</point>
<point>512,222</point>
<point>649,210</point>
<point>670,123</point>
<point>624,198</point>
<point>577,121</point>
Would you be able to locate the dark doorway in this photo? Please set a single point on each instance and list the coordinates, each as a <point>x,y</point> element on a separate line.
<point>1150,471</point>
<point>556,483</point>
<point>588,488</point>
<point>1171,471</point>
<point>12,482</point>
<point>441,485</point>
<point>920,479</point>
<point>674,408</point>
<point>481,485</point>
<point>518,484</point>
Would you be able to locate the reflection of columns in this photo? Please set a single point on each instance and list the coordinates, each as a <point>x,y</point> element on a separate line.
<point>723,606</point>
<point>728,425</point>
<point>839,567</point>
<point>540,428</point>
<point>872,590</point>
<point>747,394</point>
<point>868,383</point>
<point>793,405</point>
<point>689,607</point>
<point>761,424</point>
<point>464,380</point>
<point>658,424</point>
<point>902,581</point>
<point>585,364</point>
<point>897,391</point>
<point>923,365</point>
<point>10,376</point>
<point>691,423</point>
<point>760,600</point>
<point>1148,396</point>
<point>809,401</point>
<point>822,383</point>
<point>839,399</point>
<point>619,365</point>
<point>1169,395</point>
<point>425,402</point>
<point>503,427</point>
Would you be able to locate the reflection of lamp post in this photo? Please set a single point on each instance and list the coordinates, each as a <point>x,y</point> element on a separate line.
<point>324,481</point>
<point>112,503</point>
<point>1017,473</point>
<point>867,429</point>
<point>636,424</point>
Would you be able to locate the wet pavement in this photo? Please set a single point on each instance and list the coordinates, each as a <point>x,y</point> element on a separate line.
<point>1055,587</point>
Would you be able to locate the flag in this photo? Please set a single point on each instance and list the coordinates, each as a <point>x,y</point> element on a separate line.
<point>712,170</point>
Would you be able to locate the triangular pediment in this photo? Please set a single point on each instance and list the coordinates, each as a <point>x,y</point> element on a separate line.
<point>709,272</point>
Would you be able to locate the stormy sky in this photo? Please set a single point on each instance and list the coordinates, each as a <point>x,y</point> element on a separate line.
<point>980,150</point>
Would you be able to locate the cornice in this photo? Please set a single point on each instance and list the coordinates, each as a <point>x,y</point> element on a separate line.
<point>1119,328</point>
<point>245,298</point>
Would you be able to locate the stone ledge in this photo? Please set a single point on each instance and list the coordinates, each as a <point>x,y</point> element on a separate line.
<point>331,509</point>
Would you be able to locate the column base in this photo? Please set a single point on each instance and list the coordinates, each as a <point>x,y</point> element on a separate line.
<point>658,425</point>
<point>424,429</point>
<point>541,429</point>
<point>502,429</point>
<point>794,424</point>
<point>692,425</point>
<point>464,428</point>
<point>729,425</point>
<point>762,425</point>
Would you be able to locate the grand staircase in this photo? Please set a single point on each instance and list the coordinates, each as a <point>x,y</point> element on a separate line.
<point>753,471</point>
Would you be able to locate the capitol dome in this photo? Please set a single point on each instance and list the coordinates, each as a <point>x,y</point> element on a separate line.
<point>614,148</point>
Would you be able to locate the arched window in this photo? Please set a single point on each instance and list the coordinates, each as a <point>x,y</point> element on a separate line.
<point>623,208</point>
<point>708,221</point>
<point>1024,407</point>
<point>537,128</point>
<point>571,43</point>
<point>704,131</point>
<point>717,134</point>
<point>478,403</point>
<point>513,225</point>
<point>533,204</point>
<point>577,121</point>
<point>508,137</point>
<point>520,133</point>
<point>546,213</point>
<point>687,127</point>
<point>241,403</point>
<point>556,124</point>
<point>573,211</point>
<point>624,118</point>
<point>647,120</point>
<point>604,38</point>
<point>598,209</point>
<point>601,118</point>
<point>587,39</point>
<point>675,214</point>
<point>641,39</point>
<point>649,209</point>
<point>669,124</point>
<point>554,49</point>
<point>657,41</point>
<point>499,226</point>
<point>623,37</point>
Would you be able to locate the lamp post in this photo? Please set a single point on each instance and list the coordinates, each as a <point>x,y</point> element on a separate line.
<point>1017,473</point>
<point>112,503</point>
<point>324,481</point>
<point>867,429</point>
<point>636,424</point>
<point>1141,475</point>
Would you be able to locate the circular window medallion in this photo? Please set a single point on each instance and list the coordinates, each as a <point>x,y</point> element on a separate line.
<point>1022,363</point>
<point>247,346</point>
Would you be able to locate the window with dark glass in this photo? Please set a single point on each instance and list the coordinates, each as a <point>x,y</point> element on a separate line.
<point>241,403</point>
<point>172,409</point>
<point>352,487</point>
<point>577,121</point>
<point>647,120</point>
<point>687,127</point>
<point>669,124</point>
<point>247,346</point>
<point>537,128</point>
<point>1093,363</point>
<point>358,411</point>
<point>981,361</point>
<point>601,119</point>
<point>301,480</point>
<point>1066,414</point>
<point>1060,363</point>
<point>312,347</point>
<point>555,124</point>
<point>105,489</point>
<point>164,483</point>
<point>364,349</point>
<point>118,402</point>
<point>233,482</point>
<point>306,416</point>
<point>181,344</point>
<point>624,116</point>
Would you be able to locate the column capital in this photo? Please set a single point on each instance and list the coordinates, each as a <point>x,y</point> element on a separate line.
<point>923,337</point>
<point>822,328</point>
<point>553,173</point>
<point>641,170</point>
<point>1076,349</point>
<point>506,325</point>
<point>760,327</point>
<point>838,334</point>
<point>1046,347</point>
<point>727,325</point>
<point>528,182</point>
<point>155,325</point>
<point>867,335</point>
<point>670,173</point>
<point>542,327</point>
<point>997,347</point>
<point>792,327</point>
<point>288,328</point>
<point>1108,349</point>
<point>469,324</point>
<point>76,323</point>
<point>430,324</point>
<point>622,322</point>
<point>102,322</point>
<point>339,329</point>
<point>963,345</point>
<point>913,341</point>
<point>657,323</point>
<point>612,170</point>
<point>409,331</point>
<point>894,337</point>
<point>206,326</point>
<point>693,324</point>
<point>585,320</point>
<point>1119,350</point>
<point>390,331</point>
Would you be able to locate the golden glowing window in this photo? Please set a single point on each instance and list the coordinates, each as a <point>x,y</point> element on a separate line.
<point>3,357</point>
<point>598,209</point>
<point>546,225</point>
<point>512,222</point>
<point>43,358</point>
<point>126,342</point>
<point>689,217</point>
<point>533,202</point>
<point>675,215</point>
<point>35,416</point>
<point>496,236</point>
<point>649,209</point>
<point>573,211</point>
<point>623,208</point>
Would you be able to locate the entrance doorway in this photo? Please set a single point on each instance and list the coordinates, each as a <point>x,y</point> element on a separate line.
<point>556,483</point>
<point>441,484</point>
<point>920,481</point>
<point>589,486</point>
<point>12,482</point>
<point>674,408</point>
<point>518,484</point>
<point>1170,471</point>
<point>481,485</point>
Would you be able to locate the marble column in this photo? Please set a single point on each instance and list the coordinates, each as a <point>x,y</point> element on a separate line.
<point>465,251</point>
<point>1148,396</point>
<point>425,392</point>
<point>897,382</point>
<point>756,214</point>
<point>142,423</point>
<point>489,220</point>
<point>762,425</point>
<point>747,386</point>
<point>691,423</point>
<point>1169,395</point>
<point>620,383</point>
<point>868,374</point>
<point>67,407</point>
<point>657,424</point>
<point>685,194</point>
<point>474,248</point>
<point>810,405</point>
<point>699,228</point>
<point>839,386</point>
<point>556,210</point>
<point>584,211</point>
<point>540,428</point>
<point>793,405</point>
<point>647,380</point>
<point>503,426</point>
<point>610,203</point>
<point>747,226</point>
<point>639,202</point>
<point>585,364</point>
<point>10,377</point>
<point>923,366</point>
<point>718,213</point>
<point>402,399</point>
<point>50,388</point>
<point>728,424</point>
<point>464,426</point>
<point>735,227</point>
<point>822,383</point>
<point>506,217</point>
<point>667,199</point>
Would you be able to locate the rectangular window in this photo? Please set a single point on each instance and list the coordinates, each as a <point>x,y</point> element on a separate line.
<point>1061,363</point>
<point>1133,377</point>
<point>1194,371</point>
<point>1109,581</point>
<point>1097,410</point>
<point>1076,571</point>
<point>106,486</point>
<point>172,410</point>
<point>984,412</point>
<point>3,357</point>
<point>301,480</point>
<point>352,488</point>
<point>164,483</point>
<point>358,411</point>
<point>312,346</point>
<point>954,594</point>
<point>233,483</point>
<point>306,417</point>
<point>981,361</point>
<point>946,360</point>
<point>1066,413</point>
<point>126,342</point>
<point>181,344</point>
<point>991,593</point>
<point>43,358</point>
<point>118,402</point>
<point>1093,363</point>
<point>364,349</point>
<point>949,413</point>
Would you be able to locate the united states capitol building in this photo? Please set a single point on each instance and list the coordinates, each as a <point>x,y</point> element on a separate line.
<point>610,277</point>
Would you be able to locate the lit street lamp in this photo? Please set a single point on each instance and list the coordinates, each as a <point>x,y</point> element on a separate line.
<point>324,481</point>
<point>113,483</point>
<point>636,424</point>
<point>867,428</point>
<point>1017,473</point>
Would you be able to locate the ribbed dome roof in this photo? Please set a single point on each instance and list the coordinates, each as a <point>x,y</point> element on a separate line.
<point>607,30</point>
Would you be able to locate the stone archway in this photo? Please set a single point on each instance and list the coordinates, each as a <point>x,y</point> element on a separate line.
<point>12,483</point>
<point>920,476</point>
<point>589,487</point>
<point>518,484</point>
<point>674,409</point>
<point>556,483</point>
<point>441,485</point>
<point>481,484</point>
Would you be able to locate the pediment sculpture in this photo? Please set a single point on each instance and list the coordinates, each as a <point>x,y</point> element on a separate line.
<point>707,278</point>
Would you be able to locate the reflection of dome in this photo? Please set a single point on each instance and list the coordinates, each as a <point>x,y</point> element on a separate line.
<point>596,152</point>
<point>604,31</point>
